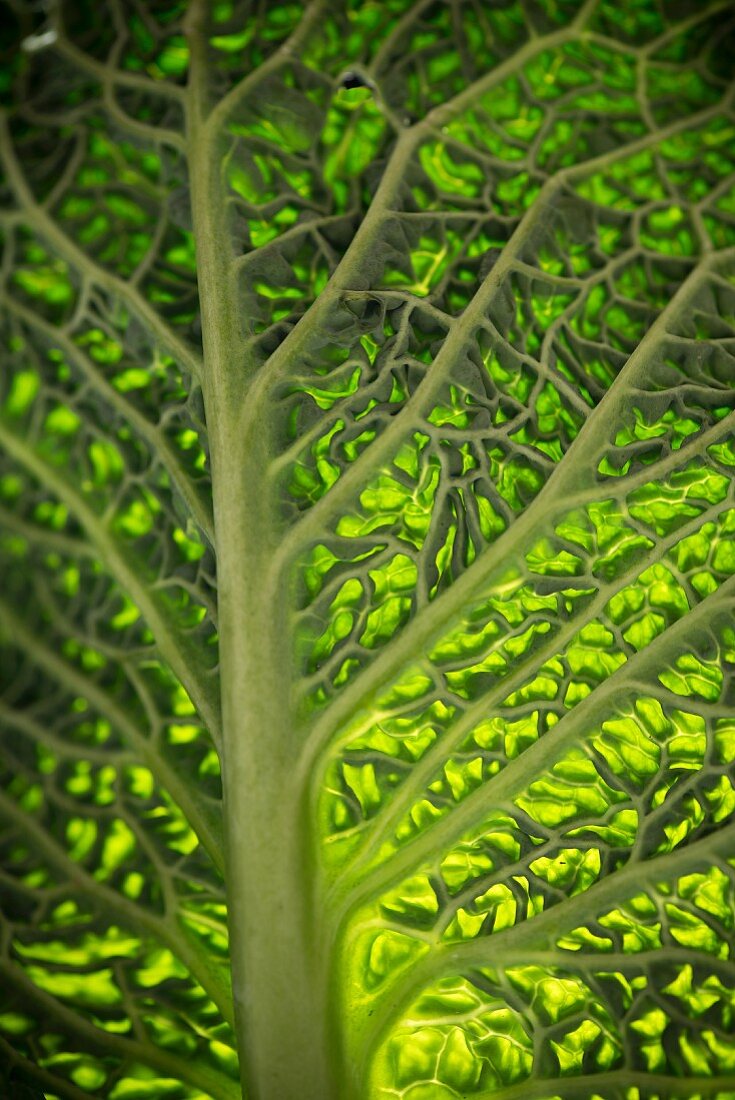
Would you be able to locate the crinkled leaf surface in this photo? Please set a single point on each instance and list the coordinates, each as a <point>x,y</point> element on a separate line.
<point>410,327</point>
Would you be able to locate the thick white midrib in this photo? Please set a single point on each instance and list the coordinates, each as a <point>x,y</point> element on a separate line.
<point>177,650</point>
<point>73,679</point>
<point>233,417</point>
<point>364,879</point>
<point>162,448</point>
<point>561,493</point>
<point>279,986</point>
<point>543,930</point>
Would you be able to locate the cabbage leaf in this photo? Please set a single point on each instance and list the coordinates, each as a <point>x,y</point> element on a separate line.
<point>367,527</point>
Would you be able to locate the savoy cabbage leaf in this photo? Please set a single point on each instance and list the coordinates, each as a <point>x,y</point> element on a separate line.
<point>367,525</point>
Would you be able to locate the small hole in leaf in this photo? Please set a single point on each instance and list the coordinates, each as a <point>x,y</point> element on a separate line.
<point>353,80</point>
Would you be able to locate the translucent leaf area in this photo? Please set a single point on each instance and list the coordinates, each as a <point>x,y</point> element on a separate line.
<point>482,261</point>
<point>114,963</point>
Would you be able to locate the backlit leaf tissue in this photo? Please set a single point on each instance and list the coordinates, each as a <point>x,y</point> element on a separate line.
<point>367,544</point>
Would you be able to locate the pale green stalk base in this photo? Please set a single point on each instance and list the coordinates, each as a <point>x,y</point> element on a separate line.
<point>280,988</point>
<point>280,973</point>
<point>280,977</point>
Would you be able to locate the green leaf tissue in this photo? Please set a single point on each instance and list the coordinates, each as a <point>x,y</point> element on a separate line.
<point>367,550</point>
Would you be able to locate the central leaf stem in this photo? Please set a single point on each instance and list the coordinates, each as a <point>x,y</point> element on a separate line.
<point>280,973</point>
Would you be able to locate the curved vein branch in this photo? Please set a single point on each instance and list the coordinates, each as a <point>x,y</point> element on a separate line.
<point>117,906</point>
<point>107,75</point>
<point>539,757</point>
<point>43,223</point>
<point>198,505</point>
<point>592,1084</point>
<point>181,653</point>
<point>109,79</point>
<point>202,1077</point>
<point>68,749</point>
<point>333,503</point>
<point>68,676</point>
<point>562,492</point>
<point>347,274</point>
<point>542,932</point>
<point>54,1085</point>
<point>285,53</point>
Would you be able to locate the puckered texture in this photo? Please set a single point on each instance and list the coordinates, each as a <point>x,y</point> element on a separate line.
<point>483,254</point>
